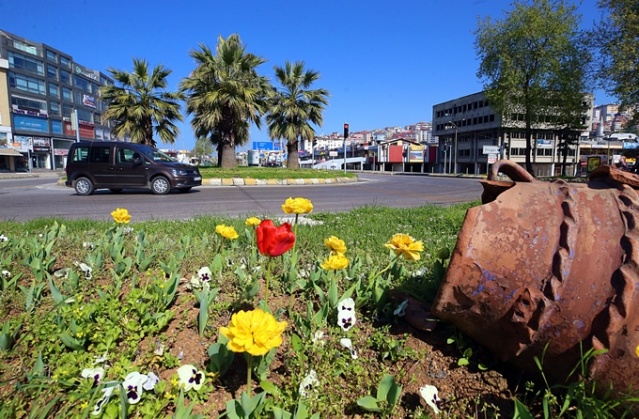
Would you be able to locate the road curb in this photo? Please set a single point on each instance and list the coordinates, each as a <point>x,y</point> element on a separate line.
<point>265,182</point>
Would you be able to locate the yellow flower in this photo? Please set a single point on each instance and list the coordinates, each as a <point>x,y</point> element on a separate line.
<point>121,215</point>
<point>253,221</point>
<point>297,206</point>
<point>228,232</point>
<point>405,245</point>
<point>335,245</point>
<point>255,332</point>
<point>335,262</point>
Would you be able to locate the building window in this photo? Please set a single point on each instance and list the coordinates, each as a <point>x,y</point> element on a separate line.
<point>82,84</point>
<point>29,104</point>
<point>24,63</point>
<point>54,108</point>
<point>30,49</point>
<point>65,77</point>
<point>52,72</point>
<point>84,115</point>
<point>27,84</point>
<point>54,90</point>
<point>65,61</point>
<point>67,110</point>
<point>66,94</point>
<point>52,56</point>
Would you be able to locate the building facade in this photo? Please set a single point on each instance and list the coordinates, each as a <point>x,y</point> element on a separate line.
<point>47,101</point>
<point>471,136</point>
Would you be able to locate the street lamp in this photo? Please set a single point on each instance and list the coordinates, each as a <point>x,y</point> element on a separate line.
<point>453,124</point>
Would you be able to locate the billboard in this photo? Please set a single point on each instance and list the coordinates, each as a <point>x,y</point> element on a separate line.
<point>266,145</point>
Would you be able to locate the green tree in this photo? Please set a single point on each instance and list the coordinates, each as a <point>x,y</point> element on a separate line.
<point>203,147</point>
<point>294,107</point>
<point>616,39</point>
<point>141,106</point>
<point>225,95</point>
<point>533,64</point>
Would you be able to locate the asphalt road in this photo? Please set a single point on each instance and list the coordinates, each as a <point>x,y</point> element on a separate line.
<point>25,199</point>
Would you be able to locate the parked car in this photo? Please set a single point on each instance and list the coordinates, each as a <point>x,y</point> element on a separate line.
<point>117,165</point>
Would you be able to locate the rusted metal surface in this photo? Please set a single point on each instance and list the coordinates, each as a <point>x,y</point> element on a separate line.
<point>550,268</point>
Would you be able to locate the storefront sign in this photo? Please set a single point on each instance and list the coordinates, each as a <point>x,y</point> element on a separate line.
<point>416,154</point>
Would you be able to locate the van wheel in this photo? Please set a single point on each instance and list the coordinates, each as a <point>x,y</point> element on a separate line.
<point>83,186</point>
<point>160,185</point>
<point>188,188</point>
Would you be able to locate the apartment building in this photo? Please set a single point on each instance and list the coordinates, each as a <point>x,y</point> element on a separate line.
<point>47,101</point>
<point>471,136</point>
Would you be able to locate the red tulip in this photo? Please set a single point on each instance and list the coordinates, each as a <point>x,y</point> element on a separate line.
<point>274,241</point>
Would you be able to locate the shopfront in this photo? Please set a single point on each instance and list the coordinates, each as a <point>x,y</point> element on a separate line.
<point>60,152</point>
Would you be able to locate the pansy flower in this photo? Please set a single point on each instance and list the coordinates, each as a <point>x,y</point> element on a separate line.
<point>348,344</point>
<point>151,381</point>
<point>5,273</point>
<point>3,238</point>
<point>190,378</point>
<point>308,383</point>
<point>430,395</point>
<point>107,392</point>
<point>346,314</point>
<point>132,385</point>
<point>95,373</point>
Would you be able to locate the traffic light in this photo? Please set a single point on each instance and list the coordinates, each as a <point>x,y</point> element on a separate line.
<point>345,130</point>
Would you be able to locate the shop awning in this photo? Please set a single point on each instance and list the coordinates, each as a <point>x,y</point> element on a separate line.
<point>9,152</point>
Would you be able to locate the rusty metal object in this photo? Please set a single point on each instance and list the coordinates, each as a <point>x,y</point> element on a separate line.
<point>550,269</point>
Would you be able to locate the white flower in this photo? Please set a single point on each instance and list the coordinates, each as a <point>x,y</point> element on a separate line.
<point>108,392</point>
<point>307,383</point>
<point>95,373</point>
<point>132,385</point>
<point>346,314</point>
<point>203,277</point>
<point>86,269</point>
<point>100,359</point>
<point>430,395</point>
<point>151,382</point>
<point>62,273</point>
<point>400,311</point>
<point>348,344</point>
<point>318,337</point>
<point>5,273</point>
<point>3,238</point>
<point>88,245</point>
<point>190,377</point>
<point>127,230</point>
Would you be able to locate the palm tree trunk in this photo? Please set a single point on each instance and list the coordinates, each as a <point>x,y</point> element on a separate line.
<point>228,156</point>
<point>293,155</point>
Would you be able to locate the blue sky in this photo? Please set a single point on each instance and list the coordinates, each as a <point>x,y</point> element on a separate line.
<point>385,63</point>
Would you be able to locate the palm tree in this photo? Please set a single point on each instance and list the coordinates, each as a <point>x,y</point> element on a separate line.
<point>294,107</point>
<point>225,95</point>
<point>141,105</point>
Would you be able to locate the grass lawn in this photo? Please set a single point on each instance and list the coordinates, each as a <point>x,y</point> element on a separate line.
<point>271,173</point>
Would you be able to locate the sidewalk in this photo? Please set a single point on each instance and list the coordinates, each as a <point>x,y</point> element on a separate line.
<point>36,173</point>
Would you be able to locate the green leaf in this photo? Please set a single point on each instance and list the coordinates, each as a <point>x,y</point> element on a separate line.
<point>462,362</point>
<point>521,411</point>
<point>55,292</point>
<point>384,386</point>
<point>332,293</point>
<point>270,388</point>
<point>71,342</point>
<point>369,403</point>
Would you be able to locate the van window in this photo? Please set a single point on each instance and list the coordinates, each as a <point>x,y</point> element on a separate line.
<point>80,154</point>
<point>100,154</point>
<point>126,155</point>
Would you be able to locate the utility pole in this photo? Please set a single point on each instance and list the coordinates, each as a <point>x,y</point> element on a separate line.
<point>344,146</point>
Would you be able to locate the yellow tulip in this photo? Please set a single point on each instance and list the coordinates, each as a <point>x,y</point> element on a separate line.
<point>406,246</point>
<point>121,215</point>
<point>335,262</point>
<point>335,245</point>
<point>255,332</point>
<point>228,232</point>
<point>252,222</point>
<point>297,206</point>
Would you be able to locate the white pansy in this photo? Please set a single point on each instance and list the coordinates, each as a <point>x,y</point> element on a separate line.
<point>88,245</point>
<point>95,373</point>
<point>86,269</point>
<point>400,311</point>
<point>318,337</point>
<point>3,238</point>
<point>190,377</point>
<point>347,304</point>
<point>151,382</point>
<point>5,273</point>
<point>100,359</point>
<point>127,230</point>
<point>430,394</point>
<point>107,392</point>
<point>132,385</point>
<point>308,383</point>
<point>348,344</point>
<point>62,273</point>
<point>346,314</point>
